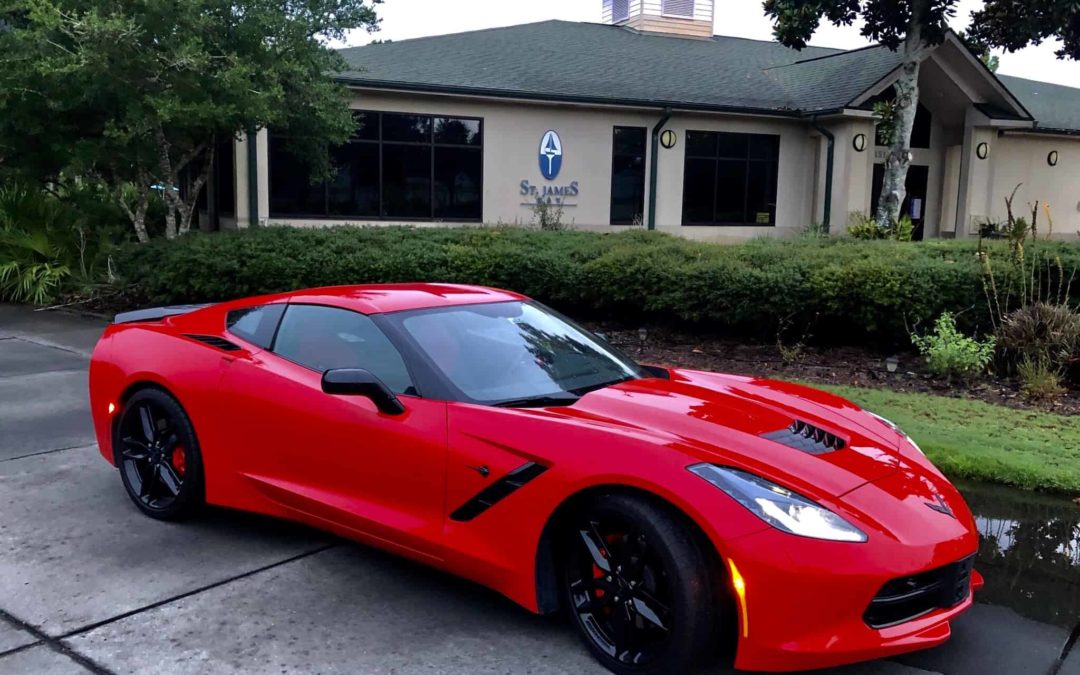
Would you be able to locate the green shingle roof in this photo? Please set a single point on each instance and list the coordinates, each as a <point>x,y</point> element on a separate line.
<point>1055,107</point>
<point>832,81</point>
<point>586,62</point>
<point>597,63</point>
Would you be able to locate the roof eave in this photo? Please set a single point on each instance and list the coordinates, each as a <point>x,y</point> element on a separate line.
<point>509,94</point>
<point>1039,131</point>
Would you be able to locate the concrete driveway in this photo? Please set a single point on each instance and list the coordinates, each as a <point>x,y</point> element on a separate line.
<point>87,584</point>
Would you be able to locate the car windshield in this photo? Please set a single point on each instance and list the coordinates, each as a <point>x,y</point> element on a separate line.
<point>515,353</point>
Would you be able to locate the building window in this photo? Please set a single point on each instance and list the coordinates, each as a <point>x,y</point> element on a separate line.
<point>680,8</point>
<point>396,166</point>
<point>628,175</point>
<point>730,179</point>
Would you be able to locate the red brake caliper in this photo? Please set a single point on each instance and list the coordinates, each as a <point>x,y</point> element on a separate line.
<point>178,459</point>
<point>599,573</point>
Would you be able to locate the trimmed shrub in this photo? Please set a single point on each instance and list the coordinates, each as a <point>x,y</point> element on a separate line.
<point>841,290</point>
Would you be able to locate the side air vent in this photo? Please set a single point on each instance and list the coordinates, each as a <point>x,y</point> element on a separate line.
<point>497,491</point>
<point>806,437</point>
<point>215,342</point>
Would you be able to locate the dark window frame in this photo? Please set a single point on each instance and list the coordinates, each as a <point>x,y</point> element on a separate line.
<point>615,154</point>
<point>717,157</point>
<point>414,381</point>
<point>431,144</point>
<point>266,334</point>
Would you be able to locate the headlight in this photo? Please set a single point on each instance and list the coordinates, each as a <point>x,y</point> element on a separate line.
<point>898,430</point>
<point>779,507</point>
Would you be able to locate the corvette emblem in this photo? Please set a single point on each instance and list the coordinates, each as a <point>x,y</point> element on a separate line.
<point>941,507</point>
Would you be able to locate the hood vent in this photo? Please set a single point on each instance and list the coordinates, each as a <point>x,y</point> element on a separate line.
<point>215,341</point>
<point>806,437</point>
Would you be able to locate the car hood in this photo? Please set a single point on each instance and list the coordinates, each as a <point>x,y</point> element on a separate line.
<point>725,419</point>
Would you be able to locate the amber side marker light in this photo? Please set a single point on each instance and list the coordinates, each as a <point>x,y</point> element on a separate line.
<point>112,408</point>
<point>739,584</point>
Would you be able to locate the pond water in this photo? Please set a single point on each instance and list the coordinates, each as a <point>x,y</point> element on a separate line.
<point>1029,552</point>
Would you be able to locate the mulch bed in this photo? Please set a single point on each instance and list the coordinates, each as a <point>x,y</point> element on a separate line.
<point>828,365</point>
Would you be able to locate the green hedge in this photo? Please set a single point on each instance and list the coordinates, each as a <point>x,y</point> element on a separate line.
<point>839,289</point>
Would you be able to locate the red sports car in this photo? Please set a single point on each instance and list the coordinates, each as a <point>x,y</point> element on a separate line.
<point>674,514</point>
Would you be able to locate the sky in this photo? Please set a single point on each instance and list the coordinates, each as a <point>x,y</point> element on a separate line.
<point>404,19</point>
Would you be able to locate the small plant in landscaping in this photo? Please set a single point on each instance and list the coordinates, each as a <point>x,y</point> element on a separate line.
<point>548,216</point>
<point>1042,333</point>
<point>815,231</point>
<point>950,353</point>
<point>862,226</point>
<point>1039,380</point>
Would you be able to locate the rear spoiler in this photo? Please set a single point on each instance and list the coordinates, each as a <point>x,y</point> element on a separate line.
<point>155,313</point>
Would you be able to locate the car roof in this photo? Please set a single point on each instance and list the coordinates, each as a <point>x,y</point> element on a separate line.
<point>382,298</point>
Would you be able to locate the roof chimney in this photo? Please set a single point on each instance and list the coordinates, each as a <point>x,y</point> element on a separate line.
<point>688,18</point>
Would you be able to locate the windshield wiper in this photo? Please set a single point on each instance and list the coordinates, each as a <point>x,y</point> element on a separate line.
<point>581,391</point>
<point>537,401</point>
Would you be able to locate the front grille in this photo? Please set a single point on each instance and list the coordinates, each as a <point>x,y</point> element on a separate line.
<point>806,437</point>
<point>908,598</point>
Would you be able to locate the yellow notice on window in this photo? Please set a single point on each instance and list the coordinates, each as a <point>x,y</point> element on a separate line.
<point>763,218</point>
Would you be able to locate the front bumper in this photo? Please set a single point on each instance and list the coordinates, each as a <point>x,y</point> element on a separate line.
<point>806,599</point>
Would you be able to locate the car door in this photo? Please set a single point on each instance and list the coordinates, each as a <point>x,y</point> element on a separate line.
<point>338,458</point>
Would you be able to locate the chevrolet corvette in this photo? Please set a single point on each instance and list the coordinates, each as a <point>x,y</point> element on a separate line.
<point>677,517</point>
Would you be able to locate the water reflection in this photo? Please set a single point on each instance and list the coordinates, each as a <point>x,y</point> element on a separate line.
<point>1029,552</point>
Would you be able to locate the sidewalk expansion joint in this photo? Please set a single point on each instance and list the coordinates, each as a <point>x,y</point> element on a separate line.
<point>195,591</point>
<point>52,643</point>
<point>1069,645</point>
<point>38,453</point>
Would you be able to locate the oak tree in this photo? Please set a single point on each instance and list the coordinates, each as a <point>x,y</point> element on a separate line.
<point>139,92</point>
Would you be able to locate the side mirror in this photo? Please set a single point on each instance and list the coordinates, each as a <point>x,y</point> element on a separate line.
<point>360,382</point>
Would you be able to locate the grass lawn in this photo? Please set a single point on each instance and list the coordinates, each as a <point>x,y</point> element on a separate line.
<point>972,439</point>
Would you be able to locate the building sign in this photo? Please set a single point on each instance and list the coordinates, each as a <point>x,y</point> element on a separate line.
<point>551,154</point>
<point>552,194</point>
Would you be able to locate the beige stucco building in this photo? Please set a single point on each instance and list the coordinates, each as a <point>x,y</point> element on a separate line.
<point>658,123</point>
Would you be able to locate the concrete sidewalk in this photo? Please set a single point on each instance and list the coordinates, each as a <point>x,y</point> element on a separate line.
<point>88,584</point>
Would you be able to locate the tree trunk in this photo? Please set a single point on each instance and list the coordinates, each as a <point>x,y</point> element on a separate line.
<point>138,214</point>
<point>170,216</point>
<point>893,188</point>
<point>180,212</point>
<point>187,210</point>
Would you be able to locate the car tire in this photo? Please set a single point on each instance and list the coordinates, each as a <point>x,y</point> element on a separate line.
<point>652,610</point>
<point>157,453</point>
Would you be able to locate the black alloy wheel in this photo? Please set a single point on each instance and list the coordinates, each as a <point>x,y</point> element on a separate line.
<point>158,456</point>
<point>638,586</point>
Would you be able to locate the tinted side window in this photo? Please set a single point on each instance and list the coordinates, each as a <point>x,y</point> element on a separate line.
<point>324,338</point>
<point>255,324</point>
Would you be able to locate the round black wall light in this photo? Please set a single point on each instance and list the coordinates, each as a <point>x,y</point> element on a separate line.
<point>668,139</point>
<point>982,150</point>
<point>1052,158</point>
<point>859,142</point>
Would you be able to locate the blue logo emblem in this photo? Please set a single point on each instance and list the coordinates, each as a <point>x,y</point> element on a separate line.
<point>550,155</point>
